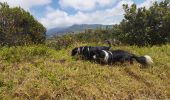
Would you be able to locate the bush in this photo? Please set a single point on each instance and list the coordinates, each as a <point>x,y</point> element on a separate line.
<point>145,26</point>
<point>18,27</point>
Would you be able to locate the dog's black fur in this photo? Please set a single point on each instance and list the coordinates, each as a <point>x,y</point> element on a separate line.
<point>87,52</point>
<point>119,56</point>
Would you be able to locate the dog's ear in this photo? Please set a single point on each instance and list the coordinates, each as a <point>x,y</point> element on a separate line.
<point>74,51</point>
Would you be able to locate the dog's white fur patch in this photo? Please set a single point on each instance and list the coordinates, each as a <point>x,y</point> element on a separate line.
<point>88,49</point>
<point>106,56</point>
<point>110,53</point>
<point>94,57</point>
<point>149,60</point>
<point>82,49</point>
<point>78,51</point>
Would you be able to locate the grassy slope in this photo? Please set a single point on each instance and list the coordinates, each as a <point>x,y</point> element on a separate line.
<point>39,72</point>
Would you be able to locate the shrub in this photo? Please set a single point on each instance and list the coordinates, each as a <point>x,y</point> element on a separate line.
<point>18,27</point>
<point>145,26</point>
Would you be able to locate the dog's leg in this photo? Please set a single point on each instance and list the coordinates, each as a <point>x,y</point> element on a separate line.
<point>109,63</point>
<point>122,60</point>
<point>131,61</point>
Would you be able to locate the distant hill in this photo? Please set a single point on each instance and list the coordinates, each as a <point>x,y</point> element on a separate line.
<point>74,28</point>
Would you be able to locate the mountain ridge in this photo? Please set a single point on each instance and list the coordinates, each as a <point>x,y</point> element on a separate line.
<point>74,29</point>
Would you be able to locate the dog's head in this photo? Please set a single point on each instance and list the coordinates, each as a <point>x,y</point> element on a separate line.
<point>74,51</point>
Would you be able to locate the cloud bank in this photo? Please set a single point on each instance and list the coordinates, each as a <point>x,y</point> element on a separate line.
<point>59,18</point>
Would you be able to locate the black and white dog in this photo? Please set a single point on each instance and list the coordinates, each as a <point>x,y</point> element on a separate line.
<point>87,52</point>
<point>111,57</point>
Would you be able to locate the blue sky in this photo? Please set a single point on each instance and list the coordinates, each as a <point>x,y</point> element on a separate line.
<point>62,13</point>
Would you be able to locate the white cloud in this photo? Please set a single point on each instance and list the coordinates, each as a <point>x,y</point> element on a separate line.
<point>147,3</point>
<point>86,4</point>
<point>105,2</point>
<point>78,4</point>
<point>26,4</point>
<point>59,18</point>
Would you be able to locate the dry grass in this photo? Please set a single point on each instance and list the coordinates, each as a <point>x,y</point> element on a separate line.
<point>39,72</point>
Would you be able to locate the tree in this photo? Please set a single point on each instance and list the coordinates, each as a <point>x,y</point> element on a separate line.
<point>18,27</point>
<point>146,26</point>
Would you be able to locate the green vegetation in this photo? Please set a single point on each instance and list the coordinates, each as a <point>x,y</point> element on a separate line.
<point>143,26</point>
<point>40,72</point>
<point>18,27</point>
<point>95,36</point>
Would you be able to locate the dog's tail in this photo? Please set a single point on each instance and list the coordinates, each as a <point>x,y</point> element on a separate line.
<point>144,60</point>
<point>109,43</point>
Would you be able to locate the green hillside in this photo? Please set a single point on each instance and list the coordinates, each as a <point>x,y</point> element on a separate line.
<point>40,72</point>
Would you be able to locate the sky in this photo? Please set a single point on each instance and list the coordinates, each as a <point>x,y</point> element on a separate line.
<point>62,13</point>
